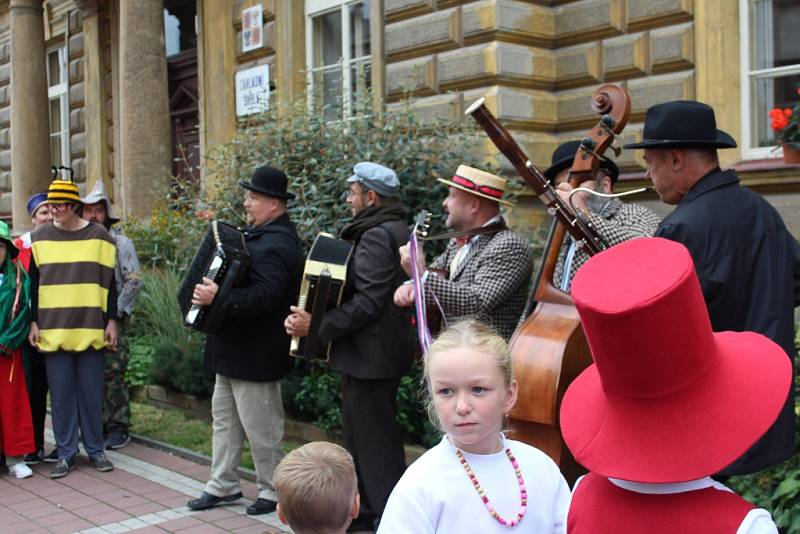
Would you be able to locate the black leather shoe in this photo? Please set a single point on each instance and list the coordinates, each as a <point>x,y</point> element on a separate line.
<point>206,501</point>
<point>261,506</point>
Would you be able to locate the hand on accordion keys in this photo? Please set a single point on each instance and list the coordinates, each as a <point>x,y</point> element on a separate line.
<point>203,294</point>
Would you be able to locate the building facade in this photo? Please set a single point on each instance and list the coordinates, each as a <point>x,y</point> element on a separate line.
<point>134,91</point>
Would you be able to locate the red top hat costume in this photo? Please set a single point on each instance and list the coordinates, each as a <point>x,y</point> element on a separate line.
<point>667,400</point>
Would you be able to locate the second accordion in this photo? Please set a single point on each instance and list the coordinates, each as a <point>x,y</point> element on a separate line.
<point>223,258</point>
<point>322,287</point>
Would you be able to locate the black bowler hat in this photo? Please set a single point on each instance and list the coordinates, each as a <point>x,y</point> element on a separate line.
<point>564,155</point>
<point>268,181</point>
<point>682,124</point>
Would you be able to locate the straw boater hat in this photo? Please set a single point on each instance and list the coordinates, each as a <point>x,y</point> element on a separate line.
<point>667,399</point>
<point>479,183</point>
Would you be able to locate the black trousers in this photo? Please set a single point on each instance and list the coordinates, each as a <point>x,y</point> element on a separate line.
<point>37,393</point>
<point>373,437</point>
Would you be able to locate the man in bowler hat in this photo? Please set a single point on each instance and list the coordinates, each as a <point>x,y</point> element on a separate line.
<point>250,353</point>
<point>615,220</point>
<point>747,261</point>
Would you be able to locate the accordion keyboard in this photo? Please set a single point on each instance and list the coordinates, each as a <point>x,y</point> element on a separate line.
<point>216,263</point>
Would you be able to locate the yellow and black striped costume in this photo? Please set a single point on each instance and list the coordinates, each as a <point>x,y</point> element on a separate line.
<point>73,292</point>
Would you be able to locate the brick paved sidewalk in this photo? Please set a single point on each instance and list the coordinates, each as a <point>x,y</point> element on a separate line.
<point>146,493</point>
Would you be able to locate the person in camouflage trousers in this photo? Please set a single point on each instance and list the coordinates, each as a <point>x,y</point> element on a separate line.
<point>116,404</point>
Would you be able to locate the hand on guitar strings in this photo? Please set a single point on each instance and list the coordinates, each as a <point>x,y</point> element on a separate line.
<point>405,259</point>
<point>297,324</point>
<point>204,293</point>
<point>404,296</point>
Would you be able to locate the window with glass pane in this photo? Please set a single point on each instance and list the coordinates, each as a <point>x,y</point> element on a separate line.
<point>339,55</point>
<point>57,88</point>
<point>773,63</point>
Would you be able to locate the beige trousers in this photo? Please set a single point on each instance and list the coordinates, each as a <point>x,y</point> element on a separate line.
<point>243,409</point>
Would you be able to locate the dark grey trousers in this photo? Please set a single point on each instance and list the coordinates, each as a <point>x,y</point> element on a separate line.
<point>76,400</point>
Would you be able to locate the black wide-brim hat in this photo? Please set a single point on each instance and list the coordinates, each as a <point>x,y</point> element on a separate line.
<point>268,181</point>
<point>564,155</point>
<point>682,124</point>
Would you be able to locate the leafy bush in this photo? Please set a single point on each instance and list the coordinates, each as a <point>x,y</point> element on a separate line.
<point>777,489</point>
<point>141,359</point>
<point>156,333</point>
<point>318,156</point>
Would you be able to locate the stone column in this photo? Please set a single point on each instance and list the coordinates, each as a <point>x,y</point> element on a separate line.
<point>30,123</point>
<point>377,25</point>
<point>216,67</point>
<point>95,99</point>
<point>145,137</point>
<point>290,50</point>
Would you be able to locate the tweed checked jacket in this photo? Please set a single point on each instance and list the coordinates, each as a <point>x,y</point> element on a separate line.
<point>490,283</point>
<point>616,222</point>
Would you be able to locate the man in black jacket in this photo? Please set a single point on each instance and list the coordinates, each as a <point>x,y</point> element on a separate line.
<point>747,261</point>
<point>372,338</point>
<point>251,353</point>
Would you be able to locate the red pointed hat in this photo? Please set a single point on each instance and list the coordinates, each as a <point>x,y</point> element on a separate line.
<point>667,399</point>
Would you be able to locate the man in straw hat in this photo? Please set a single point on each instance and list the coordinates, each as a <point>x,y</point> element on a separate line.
<point>117,402</point>
<point>615,220</point>
<point>74,322</point>
<point>668,401</point>
<point>487,273</point>
<point>371,340</point>
<point>747,261</point>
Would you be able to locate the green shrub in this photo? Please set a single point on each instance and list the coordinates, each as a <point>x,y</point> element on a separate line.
<point>140,361</point>
<point>157,334</point>
<point>318,156</point>
<point>777,489</point>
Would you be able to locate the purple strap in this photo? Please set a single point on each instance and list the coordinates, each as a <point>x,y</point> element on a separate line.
<point>423,333</point>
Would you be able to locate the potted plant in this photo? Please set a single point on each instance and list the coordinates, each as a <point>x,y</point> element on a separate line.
<point>786,125</point>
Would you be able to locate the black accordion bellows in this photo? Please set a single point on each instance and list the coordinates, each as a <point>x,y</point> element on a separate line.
<point>223,258</point>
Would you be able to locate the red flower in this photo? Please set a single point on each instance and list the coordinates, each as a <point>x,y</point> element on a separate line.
<point>779,118</point>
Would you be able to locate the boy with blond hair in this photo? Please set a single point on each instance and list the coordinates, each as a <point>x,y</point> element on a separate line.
<point>317,489</point>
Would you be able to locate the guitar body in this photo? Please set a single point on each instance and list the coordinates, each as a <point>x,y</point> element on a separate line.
<point>548,351</point>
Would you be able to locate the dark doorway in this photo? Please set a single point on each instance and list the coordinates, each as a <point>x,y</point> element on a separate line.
<point>181,39</point>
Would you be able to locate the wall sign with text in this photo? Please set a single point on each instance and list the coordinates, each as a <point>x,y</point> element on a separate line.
<point>252,90</point>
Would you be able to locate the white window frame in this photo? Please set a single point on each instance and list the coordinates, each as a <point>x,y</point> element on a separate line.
<point>748,150</point>
<point>60,91</point>
<point>315,8</point>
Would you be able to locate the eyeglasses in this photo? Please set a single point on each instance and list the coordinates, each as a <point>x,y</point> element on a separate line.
<point>352,193</point>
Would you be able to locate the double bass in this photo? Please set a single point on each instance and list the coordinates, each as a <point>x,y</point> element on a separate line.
<point>549,349</point>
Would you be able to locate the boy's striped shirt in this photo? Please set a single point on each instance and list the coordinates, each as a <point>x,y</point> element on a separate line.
<point>75,273</point>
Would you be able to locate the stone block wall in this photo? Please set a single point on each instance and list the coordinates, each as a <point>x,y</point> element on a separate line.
<point>539,64</point>
<point>77,90</point>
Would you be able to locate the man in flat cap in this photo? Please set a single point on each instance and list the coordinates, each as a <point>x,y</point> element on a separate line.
<point>372,341</point>
<point>488,269</point>
<point>747,261</point>
<point>615,220</point>
<point>250,352</point>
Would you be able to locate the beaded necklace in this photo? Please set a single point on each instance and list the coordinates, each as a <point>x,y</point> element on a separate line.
<point>523,493</point>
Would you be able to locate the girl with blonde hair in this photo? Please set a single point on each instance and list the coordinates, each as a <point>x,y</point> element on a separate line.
<point>475,479</point>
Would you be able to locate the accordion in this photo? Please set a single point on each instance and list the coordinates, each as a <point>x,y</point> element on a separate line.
<point>321,289</point>
<point>223,258</point>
